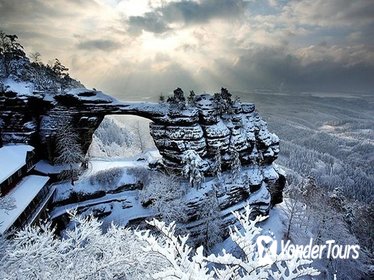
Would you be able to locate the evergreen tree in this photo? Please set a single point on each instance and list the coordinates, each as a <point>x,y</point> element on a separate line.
<point>210,215</point>
<point>235,165</point>
<point>191,98</point>
<point>69,150</point>
<point>59,69</point>
<point>192,168</point>
<point>10,47</point>
<point>218,165</point>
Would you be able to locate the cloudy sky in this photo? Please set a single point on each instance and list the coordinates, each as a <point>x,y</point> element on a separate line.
<point>144,47</point>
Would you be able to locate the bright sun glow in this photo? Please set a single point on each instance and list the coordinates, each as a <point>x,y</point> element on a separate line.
<point>153,44</point>
<point>133,7</point>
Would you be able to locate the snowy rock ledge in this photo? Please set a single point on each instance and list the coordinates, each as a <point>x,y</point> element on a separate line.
<point>211,125</point>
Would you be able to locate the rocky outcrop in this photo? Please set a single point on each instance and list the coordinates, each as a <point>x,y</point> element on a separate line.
<point>210,125</point>
<point>208,129</point>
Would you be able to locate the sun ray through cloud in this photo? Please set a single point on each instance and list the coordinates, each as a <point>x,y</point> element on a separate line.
<point>106,42</point>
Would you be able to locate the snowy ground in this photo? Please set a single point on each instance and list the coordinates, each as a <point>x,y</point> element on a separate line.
<point>123,206</point>
<point>84,185</point>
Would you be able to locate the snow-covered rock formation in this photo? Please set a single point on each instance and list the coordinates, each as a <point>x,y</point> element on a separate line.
<point>212,126</point>
<point>37,101</point>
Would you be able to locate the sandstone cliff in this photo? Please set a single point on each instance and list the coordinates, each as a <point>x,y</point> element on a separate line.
<point>217,128</point>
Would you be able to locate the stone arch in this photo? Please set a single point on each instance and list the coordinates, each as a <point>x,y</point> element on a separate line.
<point>123,136</point>
<point>211,124</point>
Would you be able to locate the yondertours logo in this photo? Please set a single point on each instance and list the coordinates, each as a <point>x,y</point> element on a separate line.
<point>269,251</point>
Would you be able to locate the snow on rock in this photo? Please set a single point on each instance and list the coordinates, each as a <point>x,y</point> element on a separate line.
<point>262,196</point>
<point>208,125</point>
<point>255,176</point>
<point>226,125</point>
<point>217,130</point>
<point>215,127</point>
<point>270,173</point>
<point>206,106</point>
<point>18,87</point>
<point>194,132</point>
<point>90,96</point>
<point>46,168</point>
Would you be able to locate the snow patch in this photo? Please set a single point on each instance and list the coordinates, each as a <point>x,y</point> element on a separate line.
<point>12,158</point>
<point>21,88</point>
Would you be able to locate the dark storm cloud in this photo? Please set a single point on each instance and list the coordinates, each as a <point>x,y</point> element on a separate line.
<point>250,46</point>
<point>187,13</point>
<point>193,12</point>
<point>103,45</point>
<point>331,13</point>
<point>150,22</point>
<point>272,67</point>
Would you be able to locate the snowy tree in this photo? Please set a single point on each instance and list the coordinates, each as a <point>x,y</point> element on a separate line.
<point>226,95</point>
<point>362,225</point>
<point>59,69</point>
<point>139,132</point>
<point>35,57</point>
<point>192,169</point>
<point>294,210</point>
<point>235,165</point>
<point>10,47</point>
<point>84,253</point>
<point>219,103</point>
<point>107,179</point>
<point>165,194</point>
<point>187,264</point>
<point>110,131</point>
<point>308,209</point>
<point>140,137</point>
<point>312,211</point>
<point>69,152</point>
<point>223,101</point>
<point>4,42</point>
<point>42,75</point>
<point>209,214</point>
<point>121,137</point>
<point>191,98</point>
<point>218,166</point>
<point>7,203</point>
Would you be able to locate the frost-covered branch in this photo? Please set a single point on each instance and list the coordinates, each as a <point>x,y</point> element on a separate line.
<point>186,264</point>
<point>193,167</point>
<point>7,203</point>
<point>183,265</point>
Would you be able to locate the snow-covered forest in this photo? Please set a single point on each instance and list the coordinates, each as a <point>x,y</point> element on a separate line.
<point>117,215</point>
<point>326,144</point>
<point>121,137</point>
<point>325,136</point>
